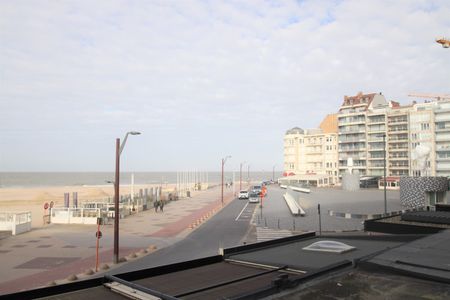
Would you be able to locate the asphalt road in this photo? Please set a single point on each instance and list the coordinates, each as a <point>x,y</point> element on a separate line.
<point>225,229</point>
<point>276,215</point>
<point>231,226</point>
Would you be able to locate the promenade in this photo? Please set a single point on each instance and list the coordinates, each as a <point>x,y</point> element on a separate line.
<point>57,254</point>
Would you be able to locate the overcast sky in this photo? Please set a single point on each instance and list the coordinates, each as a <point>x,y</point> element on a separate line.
<point>199,79</point>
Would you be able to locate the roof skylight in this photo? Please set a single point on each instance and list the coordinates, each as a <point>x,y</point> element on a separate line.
<point>329,246</point>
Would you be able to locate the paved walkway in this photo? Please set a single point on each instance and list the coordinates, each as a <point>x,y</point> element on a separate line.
<point>56,253</point>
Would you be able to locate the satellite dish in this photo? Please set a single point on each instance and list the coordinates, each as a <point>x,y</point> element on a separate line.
<point>420,155</point>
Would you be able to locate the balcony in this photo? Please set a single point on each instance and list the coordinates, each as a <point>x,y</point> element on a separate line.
<point>397,121</point>
<point>352,131</point>
<point>399,167</point>
<point>398,130</point>
<point>398,148</point>
<point>442,129</point>
<point>375,158</point>
<point>352,149</point>
<point>443,148</point>
<point>375,166</point>
<point>442,138</point>
<point>354,157</point>
<point>399,158</point>
<point>354,140</point>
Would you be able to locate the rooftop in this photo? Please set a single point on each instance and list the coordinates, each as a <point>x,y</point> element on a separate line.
<point>404,265</point>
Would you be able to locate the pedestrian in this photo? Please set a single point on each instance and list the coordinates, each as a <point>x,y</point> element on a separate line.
<point>162,206</point>
<point>156,204</point>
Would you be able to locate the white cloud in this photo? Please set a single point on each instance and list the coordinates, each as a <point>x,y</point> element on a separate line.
<point>94,70</point>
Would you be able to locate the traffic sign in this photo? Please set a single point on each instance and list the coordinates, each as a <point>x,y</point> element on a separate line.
<point>46,205</point>
<point>98,234</point>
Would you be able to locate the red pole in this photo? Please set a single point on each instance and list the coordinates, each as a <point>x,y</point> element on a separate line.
<point>116,204</point>
<point>96,254</point>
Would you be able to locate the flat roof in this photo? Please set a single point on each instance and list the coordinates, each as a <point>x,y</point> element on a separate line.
<point>262,269</point>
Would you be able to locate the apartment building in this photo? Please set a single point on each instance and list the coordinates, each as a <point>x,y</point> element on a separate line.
<point>421,129</point>
<point>442,138</point>
<point>398,158</point>
<point>361,127</point>
<point>312,154</point>
<point>368,127</point>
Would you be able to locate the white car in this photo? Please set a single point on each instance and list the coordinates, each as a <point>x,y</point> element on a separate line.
<point>253,197</point>
<point>243,195</point>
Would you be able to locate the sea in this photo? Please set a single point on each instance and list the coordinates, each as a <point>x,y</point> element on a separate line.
<point>43,179</point>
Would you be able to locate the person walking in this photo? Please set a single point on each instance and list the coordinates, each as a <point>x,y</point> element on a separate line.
<point>156,204</point>
<point>162,206</point>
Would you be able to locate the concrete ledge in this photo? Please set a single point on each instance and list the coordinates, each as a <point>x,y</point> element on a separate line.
<point>300,189</point>
<point>293,205</point>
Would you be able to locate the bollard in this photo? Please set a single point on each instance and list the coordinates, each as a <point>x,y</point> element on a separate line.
<point>293,224</point>
<point>278,223</point>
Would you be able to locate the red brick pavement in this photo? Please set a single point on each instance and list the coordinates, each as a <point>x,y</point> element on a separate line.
<point>43,278</point>
<point>179,226</point>
<point>80,266</point>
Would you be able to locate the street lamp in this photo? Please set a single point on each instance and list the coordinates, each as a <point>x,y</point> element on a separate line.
<point>384,167</point>
<point>224,160</point>
<point>240,175</point>
<point>248,173</point>
<point>119,149</point>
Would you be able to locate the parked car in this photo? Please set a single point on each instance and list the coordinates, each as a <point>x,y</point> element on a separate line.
<point>243,195</point>
<point>253,197</point>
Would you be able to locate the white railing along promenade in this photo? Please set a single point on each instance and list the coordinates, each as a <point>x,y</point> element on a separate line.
<point>16,222</point>
<point>68,215</point>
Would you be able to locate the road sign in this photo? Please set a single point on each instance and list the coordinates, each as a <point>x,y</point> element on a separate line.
<point>98,234</point>
<point>46,205</point>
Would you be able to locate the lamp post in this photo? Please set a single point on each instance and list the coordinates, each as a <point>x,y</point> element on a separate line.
<point>384,171</point>
<point>224,160</point>
<point>273,172</point>
<point>119,149</point>
<point>240,175</point>
<point>248,173</point>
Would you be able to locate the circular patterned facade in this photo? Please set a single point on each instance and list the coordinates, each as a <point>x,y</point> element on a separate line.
<point>413,189</point>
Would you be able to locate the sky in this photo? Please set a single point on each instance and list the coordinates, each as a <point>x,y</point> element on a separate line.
<point>199,79</point>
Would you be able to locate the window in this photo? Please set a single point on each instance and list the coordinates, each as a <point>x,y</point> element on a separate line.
<point>425,126</point>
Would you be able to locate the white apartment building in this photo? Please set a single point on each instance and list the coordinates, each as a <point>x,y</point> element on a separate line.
<point>311,154</point>
<point>442,138</point>
<point>368,128</point>
<point>361,127</point>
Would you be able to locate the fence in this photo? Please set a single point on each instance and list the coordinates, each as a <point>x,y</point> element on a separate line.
<point>16,222</point>
<point>64,215</point>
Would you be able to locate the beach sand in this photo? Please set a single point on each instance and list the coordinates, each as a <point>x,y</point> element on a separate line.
<point>33,199</point>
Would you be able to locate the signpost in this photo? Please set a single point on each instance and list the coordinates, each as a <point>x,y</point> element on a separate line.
<point>98,235</point>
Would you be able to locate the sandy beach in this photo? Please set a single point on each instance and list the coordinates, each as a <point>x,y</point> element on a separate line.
<point>33,198</point>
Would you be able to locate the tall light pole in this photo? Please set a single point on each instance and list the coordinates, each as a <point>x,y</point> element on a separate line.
<point>224,160</point>
<point>384,171</point>
<point>119,149</point>
<point>273,172</point>
<point>240,175</point>
<point>248,173</point>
